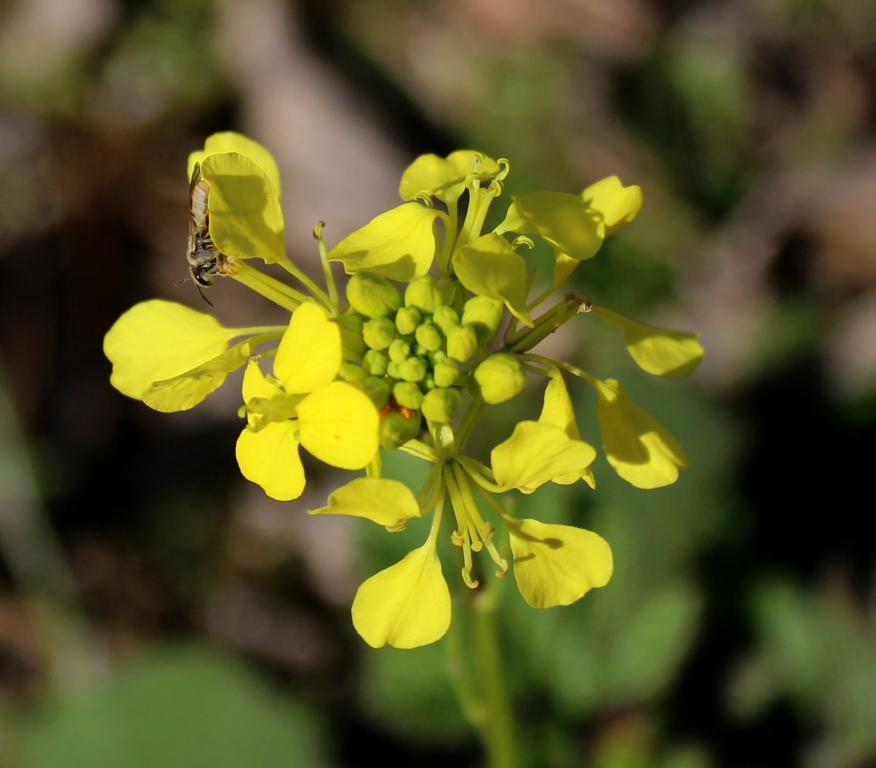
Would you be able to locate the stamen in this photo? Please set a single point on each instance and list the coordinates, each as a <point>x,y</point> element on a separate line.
<point>523,240</point>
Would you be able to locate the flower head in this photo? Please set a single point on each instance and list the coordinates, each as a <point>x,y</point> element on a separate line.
<point>440,324</point>
<point>302,404</point>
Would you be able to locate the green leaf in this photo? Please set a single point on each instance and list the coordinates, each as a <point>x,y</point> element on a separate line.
<point>175,708</point>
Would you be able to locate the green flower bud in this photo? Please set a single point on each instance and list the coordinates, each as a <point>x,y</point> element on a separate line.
<point>351,335</point>
<point>446,372</point>
<point>424,293</point>
<point>397,428</point>
<point>399,351</point>
<point>485,315</point>
<point>429,337</point>
<point>372,295</point>
<point>412,369</point>
<point>499,378</point>
<point>378,390</point>
<point>440,405</point>
<point>353,374</point>
<point>462,341</point>
<point>392,370</point>
<point>408,395</point>
<point>437,356</point>
<point>375,362</point>
<point>428,383</point>
<point>378,332</point>
<point>407,319</point>
<point>445,318</point>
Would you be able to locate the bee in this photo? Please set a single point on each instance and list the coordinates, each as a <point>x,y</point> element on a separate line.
<point>205,259</point>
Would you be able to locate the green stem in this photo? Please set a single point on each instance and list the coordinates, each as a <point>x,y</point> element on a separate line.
<point>496,722</point>
<point>326,267</point>
<point>546,324</point>
<point>271,289</point>
<point>318,293</point>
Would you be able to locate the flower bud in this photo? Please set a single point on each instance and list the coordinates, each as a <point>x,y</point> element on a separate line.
<point>407,395</point>
<point>378,332</point>
<point>392,370</point>
<point>412,369</point>
<point>353,374</point>
<point>399,350</point>
<point>485,314</point>
<point>351,335</point>
<point>429,337</point>
<point>446,318</point>
<point>407,319</point>
<point>378,390</point>
<point>375,362</point>
<point>372,295</point>
<point>462,341</point>
<point>397,428</point>
<point>424,293</point>
<point>440,405</point>
<point>445,372</point>
<point>499,378</point>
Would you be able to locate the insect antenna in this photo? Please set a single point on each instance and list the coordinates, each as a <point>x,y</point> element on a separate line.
<point>180,282</point>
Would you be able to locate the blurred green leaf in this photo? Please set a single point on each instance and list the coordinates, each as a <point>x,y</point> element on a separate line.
<point>409,692</point>
<point>175,708</point>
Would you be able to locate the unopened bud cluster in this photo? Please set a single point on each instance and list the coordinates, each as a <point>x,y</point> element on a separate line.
<point>412,348</point>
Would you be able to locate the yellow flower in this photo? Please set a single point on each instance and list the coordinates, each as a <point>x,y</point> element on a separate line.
<point>246,220</point>
<point>302,404</point>
<point>557,564</point>
<point>408,604</point>
<point>171,357</point>
<point>573,225</point>
<point>641,451</point>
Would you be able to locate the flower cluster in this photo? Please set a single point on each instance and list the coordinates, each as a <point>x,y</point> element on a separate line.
<point>438,325</point>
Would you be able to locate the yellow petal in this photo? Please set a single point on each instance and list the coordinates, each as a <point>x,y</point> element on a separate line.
<point>617,204</point>
<point>564,267</point>
<point>557,407</point>
<point>406,605</point>
<point>157,340</point>
<point>385,502</point>
<point>310,352</point>
<point>229,141</point>
<point>340,425</point>
<point>269,458</point>
<point>535,454</point>
<point>662,352</point>
<point>188,389</point>
<point>640,450</point>
<point>399,244</point>
<point>557,410</point>
<point>557,564</point>
<point>444,178</point>
<point>246,220</point>
<point>562,220</point>
<point>489,266</point>
<point>255,385</point>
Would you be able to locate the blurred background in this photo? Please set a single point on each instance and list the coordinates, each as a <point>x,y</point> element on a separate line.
<point>157,610</point>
